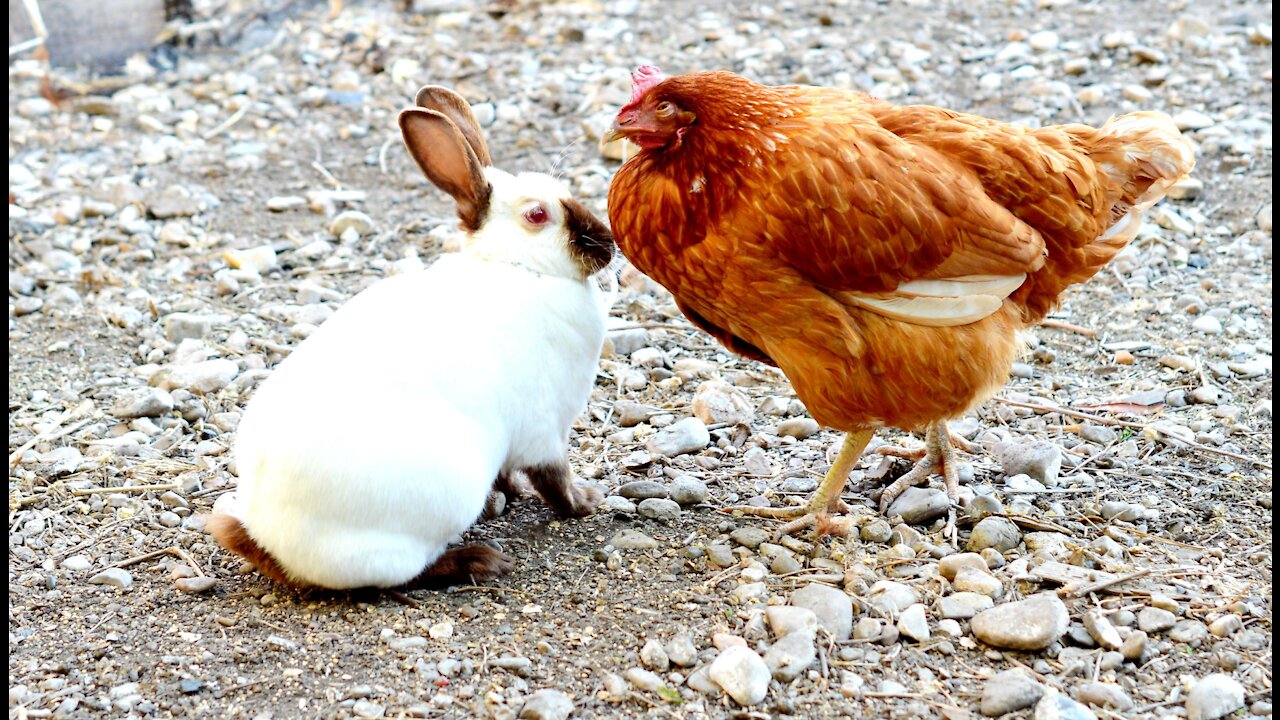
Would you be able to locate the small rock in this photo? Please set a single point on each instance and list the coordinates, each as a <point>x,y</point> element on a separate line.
<point>115,577</point>
<point>1207,324</point>
<point>1214,696</point>
<point>682,651</point>
<point>994,532</point>
<point>749,536</point>
<point>195,585</point>
<point>1101,630</point>
<point>612,503</point>
<point>644,679</point>
<point>642,490</point>
<point>1056,706</point>
<point>1008,692</point>
<point>142,402</point>
<point>717,401</point>
<point>1153,620</point>
<point>1191,632</point>
<point>918,505</point>
<point>207,376</point>
<point>964,605</point>
<point>660,509</point>
<point>628,539</point>
<point>914,624</point>
<point>1225,625</point>
<point>687,490</point>
<point>798,428</point>
<point>1134,646</point>
<point>77,563</point>
<point>546,705</point>
<point>1031,624</point>
<point>1040,460</point>
<point>350,220</point>
<point>832,607</point>
<point>654,656</point>
<point>950,565</point>
<point>742,674</point>
<point>892,597</point>
<point>790,655</point>
<point>978,581</point>
<point>684,436</point>
<point>259,259</point>
<point>1103,695</point>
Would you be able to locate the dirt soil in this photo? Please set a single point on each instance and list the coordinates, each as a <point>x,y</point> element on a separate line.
<point>130,199</point>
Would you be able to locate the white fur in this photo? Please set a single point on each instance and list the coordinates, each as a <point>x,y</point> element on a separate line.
<point>377,440</point>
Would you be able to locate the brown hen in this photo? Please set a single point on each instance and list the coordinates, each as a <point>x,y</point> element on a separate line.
<point>882,257</point>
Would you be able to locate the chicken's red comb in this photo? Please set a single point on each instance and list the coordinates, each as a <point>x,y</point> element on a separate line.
<point>643,79</point>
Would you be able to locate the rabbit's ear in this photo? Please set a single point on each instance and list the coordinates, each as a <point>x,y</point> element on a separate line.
<point>448,161</point>
<point>453,106</point>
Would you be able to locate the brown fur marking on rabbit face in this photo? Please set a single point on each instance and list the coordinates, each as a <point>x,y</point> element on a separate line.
<point>590,240</point>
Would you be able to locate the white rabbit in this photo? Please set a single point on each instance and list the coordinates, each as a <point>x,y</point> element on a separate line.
<point>378,440</point>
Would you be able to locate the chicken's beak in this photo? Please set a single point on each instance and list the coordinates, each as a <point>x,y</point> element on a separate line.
<point>614,133</point>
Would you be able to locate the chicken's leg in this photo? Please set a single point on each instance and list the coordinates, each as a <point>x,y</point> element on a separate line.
<point>826,499</point>
<point>939,456</point>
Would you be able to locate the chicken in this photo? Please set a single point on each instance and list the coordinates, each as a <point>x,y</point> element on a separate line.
<point>883,257</point>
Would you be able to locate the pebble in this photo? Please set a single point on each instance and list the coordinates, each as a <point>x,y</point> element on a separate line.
<point>684,436</point>
<point>892,597</point>
<point>628,539</point>
<point>1030,624</point>
<point>682,651</point>
<point>1191,632</point>
<point>644,679</point>
<point>833,608</point>
<point>195,585</point>
<point>612,503</point>
<point>1101,630</point>
<point>77,563</point>
<point>914,624</point>
<point>1056,706</point>
<point>742,674</point>
<point>1039,460</point>
<point>687,490</point>
<point>1207,324</point>
<point>1009,691</point>
<point>749,536</point>
<point>994,532</point>
<point>1103,695</point>
<point>1225,625</point>
<point>964,605</point>
<point>876,531</point>
<point>716,401</point>
<point>350,221</point>
<point>114,577</point>
<point>142,402</point>
<point>660,509</point>
<point>1214,696</point>
<point>546,705</point>
<point>787,619</point>
<point>207,376</point>
<point>798,428</point>
<point>654,656</point>
<point>950,565</point>
<point>642,490</point>
<point>917,505</point>
<point>791,655</point>
<point>978,581</point>
<point>1134,646</point>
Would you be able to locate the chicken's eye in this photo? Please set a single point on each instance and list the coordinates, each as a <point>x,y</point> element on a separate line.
<point>665,109</point>
<point>536,215</point>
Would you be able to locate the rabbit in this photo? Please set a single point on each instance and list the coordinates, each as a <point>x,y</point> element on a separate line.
<point>378,440</point>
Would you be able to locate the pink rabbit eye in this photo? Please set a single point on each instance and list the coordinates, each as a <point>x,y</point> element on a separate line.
<point>536,215</point>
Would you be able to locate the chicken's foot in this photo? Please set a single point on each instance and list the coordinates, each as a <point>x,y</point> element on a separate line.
<point>826,499</point>
<point>939,455</point>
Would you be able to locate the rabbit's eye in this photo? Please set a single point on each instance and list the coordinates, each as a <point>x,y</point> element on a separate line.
<point>536,215</point>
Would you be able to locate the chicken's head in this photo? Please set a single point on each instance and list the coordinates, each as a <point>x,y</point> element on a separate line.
<point>651,120</point>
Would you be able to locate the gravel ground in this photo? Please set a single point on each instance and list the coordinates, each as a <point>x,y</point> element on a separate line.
<point>174,233</point>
